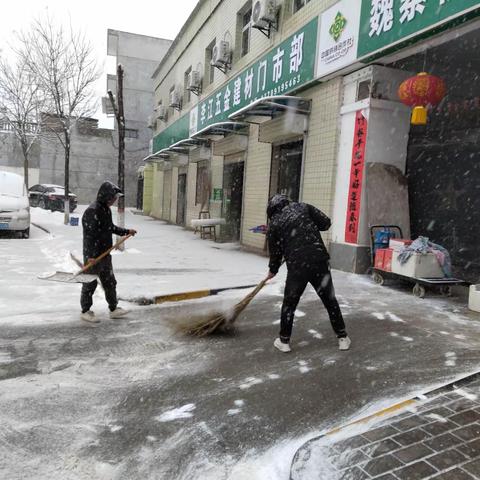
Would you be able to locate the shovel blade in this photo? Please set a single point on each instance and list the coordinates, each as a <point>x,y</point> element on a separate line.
<point>67,277</point>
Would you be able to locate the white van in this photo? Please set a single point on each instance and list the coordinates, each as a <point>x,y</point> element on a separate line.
<point>14,206</point>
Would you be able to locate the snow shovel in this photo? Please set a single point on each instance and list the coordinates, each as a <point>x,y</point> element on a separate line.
<point>81,276</point>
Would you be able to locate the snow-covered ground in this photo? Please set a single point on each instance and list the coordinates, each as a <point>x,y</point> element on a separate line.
<point>131,399</point>
<point>154,262</point>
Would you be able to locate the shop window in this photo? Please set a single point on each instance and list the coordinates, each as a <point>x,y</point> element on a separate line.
<point>186,92</point>
<point>202,189</point>
<point>209,69</point>
<point>286,170</point>
<point>298,4</point>
<point>244,28</point>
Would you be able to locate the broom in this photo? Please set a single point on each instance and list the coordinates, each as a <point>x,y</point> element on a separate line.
<point>201,325</point>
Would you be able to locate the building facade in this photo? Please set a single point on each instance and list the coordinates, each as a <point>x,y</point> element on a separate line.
<point>94,151</point>
<point>139,56</point>
<point>301,97</point>
<point>92,157</point>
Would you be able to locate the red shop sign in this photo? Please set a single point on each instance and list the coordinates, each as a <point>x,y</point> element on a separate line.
<point>356,176</point>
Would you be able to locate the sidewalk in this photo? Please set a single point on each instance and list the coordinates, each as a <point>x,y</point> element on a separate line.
<point>436,437</point>
<point>162,259</point>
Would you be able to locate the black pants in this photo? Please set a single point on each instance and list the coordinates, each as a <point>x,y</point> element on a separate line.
<point>319,276</point>
<point>104,270</point>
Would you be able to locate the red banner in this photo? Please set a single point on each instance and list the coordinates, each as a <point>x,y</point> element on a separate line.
<point>356,176</point>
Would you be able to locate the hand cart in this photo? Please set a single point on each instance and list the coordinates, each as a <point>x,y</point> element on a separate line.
<point>443,284</point>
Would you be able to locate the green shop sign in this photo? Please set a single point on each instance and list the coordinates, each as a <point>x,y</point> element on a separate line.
<point>217,194</point>
<point>384,23</point>
<point>283,69</point>
<point>173,133</point>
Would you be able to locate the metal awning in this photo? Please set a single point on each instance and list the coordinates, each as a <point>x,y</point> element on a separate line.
<point>221,129</point>
<point>182,147</point>
<point>189,143</point>
<point>266,108</point>
<point>160,155</point>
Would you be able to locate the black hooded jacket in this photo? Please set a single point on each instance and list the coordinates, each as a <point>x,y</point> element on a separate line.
<point>97,223</point>
<point>294,233</point>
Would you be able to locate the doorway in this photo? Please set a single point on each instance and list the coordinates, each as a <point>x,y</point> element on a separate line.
<point>443,159</point>
<point>140,192</point>
<point>233,172</point>
<point>286,169</point>
<point>181,198</point>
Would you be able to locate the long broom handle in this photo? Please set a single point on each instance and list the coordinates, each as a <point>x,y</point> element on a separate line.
<point>104,254</point>
<point>253,293</point>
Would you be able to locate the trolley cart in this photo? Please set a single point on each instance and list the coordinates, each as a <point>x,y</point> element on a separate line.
<point>420,285</point>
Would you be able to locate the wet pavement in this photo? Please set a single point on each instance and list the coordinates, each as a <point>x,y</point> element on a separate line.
<point>132,399</point>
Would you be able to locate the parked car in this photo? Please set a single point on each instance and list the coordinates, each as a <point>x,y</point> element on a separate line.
<point>50,197</point>
<point>14,207</point>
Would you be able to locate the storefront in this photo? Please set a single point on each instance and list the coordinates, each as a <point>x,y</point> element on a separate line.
<point>233,174</point>
<point>443,168</point>
<point>286,169</point>
<point>423,178</point>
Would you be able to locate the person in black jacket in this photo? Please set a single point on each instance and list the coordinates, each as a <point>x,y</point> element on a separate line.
<point>98,229</point>
<point>294,234</point>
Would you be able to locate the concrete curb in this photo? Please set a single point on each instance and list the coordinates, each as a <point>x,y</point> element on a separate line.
<point>386,411</point>
<point>181,296</point>
<point>41,228</point>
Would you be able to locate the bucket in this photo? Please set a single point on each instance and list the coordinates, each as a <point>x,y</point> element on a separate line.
<point>74,221</point>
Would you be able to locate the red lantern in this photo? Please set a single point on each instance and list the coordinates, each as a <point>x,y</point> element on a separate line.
<point>418,92</point>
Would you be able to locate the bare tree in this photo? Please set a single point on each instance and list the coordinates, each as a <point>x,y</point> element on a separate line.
<point>20,105</point>
<point>63,64</point>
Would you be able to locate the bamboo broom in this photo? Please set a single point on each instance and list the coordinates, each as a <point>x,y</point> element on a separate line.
<point>201,325</point>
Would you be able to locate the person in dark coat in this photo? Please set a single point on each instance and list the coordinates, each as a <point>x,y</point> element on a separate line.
<point>294,235</point>
<point>98,229</point>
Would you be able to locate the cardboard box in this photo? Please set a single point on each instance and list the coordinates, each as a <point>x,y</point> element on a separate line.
<point>418,266</point>
<point>379,257</point>
<point>388,259</point>
<point>383,259</point>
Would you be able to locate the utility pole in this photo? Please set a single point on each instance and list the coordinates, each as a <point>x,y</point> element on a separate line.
<point>119,115</point>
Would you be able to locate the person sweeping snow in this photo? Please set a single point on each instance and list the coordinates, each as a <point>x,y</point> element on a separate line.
<point>98,229</point>
<point>294,233</point>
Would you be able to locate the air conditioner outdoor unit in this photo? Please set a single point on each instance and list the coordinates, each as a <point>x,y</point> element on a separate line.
<point>264,13</point>
<point>194,80</point>
<point>175,100</point>
<point>152,122</point>
<point>221,56</point>
<point>161,112</point>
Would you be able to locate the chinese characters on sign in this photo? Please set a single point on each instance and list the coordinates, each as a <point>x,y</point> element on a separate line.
<point>338,39</point>
<point>287,66</point>
<point>381,16</point>
<point>385,23</point>
<point>382,13</point>
<point>339,50</point>
<point>356,176</point>
<point>409,8</point>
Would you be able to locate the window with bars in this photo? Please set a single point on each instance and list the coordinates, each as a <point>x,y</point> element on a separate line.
<point>298,4</point>
<point>186,92</point>
<point>131,133</point>
<point>209,69</point>
<point>244,26</point>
